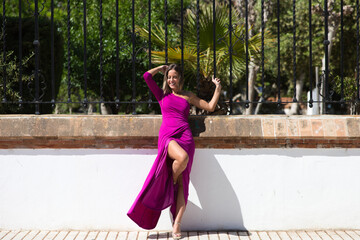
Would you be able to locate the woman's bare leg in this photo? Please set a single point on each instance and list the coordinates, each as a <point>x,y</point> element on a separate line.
<point>181,159</point>
<point>180,206</point>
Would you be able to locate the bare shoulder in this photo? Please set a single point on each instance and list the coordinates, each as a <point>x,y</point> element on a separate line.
<point>187,94</point>
<point>190,96</point>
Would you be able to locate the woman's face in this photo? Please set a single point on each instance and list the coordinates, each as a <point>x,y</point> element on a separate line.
<point>173,80</point>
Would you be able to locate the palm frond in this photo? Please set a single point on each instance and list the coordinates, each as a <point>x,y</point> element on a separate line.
<point>174,55</point>
<point>157,35</point>
<point>206,23</point>
<point>206,42</point>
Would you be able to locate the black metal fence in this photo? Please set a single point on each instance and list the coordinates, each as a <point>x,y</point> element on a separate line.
<point>324,88</point>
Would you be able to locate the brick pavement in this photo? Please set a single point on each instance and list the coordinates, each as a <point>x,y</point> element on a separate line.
<point>142,235</point>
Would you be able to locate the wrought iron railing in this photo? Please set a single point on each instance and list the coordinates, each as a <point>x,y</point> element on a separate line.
<point>326,95</point>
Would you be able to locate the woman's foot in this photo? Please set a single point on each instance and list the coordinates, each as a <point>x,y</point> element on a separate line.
<point>176,234</point>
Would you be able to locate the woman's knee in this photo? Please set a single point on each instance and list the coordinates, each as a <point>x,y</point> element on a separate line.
<point>177,153</point>
<point>184,159</point>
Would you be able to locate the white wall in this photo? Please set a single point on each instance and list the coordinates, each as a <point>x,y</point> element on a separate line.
<point>254,189</point>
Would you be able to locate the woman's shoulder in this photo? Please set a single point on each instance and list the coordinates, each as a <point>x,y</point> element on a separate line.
<point>189,96</point>
<point>187,93</point>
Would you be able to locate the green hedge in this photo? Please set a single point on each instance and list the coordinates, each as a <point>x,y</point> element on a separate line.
<point>12,45</point>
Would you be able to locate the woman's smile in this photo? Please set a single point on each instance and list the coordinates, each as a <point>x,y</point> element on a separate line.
<point>173,80</point>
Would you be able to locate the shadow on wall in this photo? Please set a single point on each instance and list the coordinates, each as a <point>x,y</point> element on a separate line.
<point>215,205</point>
<point>197,125</point>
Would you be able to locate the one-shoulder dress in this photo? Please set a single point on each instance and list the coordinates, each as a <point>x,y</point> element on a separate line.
<point>158,191</point>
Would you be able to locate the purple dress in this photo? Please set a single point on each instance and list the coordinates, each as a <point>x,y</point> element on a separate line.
<point>158,191</point>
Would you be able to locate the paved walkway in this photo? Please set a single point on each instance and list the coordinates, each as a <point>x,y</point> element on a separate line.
<point>113,235</point>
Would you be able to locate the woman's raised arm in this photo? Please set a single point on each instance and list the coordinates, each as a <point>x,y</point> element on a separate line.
<point>202,104</point>
<point>155,89</point>
<point>155,70</point>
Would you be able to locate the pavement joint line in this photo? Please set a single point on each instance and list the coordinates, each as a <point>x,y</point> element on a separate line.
<point>48,232</point>
<point>18,231</point>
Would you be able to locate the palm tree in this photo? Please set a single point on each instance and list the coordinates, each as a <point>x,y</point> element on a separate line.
<point>206,47</point>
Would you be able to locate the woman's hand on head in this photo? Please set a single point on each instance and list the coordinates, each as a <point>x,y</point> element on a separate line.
<point>216,81</point>
<point>157,69</point>
<point>163,68</point>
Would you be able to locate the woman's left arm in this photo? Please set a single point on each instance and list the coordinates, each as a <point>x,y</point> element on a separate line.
<point>202,104</point>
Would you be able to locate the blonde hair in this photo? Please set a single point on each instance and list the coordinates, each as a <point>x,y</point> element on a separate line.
<point>178,69</point>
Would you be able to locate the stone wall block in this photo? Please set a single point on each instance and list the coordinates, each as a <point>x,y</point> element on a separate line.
<point>268,127</point>
<point>45,127</point>
<point>329,128</point>
<point>64,127</point>
<point>353,127</point>
<point>226,126</point>
<point>280,128</point>
<point>17,126</point>
<point>87,127</point>
<point>305,128</point>
<point>341,128</point>
<point>255,127</point>
<point>317,128</point>
<point>243,127</point>
<point>102,126</point>
<point>114,126</point>
<point>293,127</point>
<point>218,126</point>
<point>139,127</point>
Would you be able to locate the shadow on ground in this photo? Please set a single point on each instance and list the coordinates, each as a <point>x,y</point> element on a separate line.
<point>217,206</point>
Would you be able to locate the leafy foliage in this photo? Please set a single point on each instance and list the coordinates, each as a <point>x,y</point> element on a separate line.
<point>206,46</point>
<point>132,66</point>
<point>133,61</point>
<point>48,83</point>
<point>12,93</point>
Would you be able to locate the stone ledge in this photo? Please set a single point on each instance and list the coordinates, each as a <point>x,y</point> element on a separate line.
<point>141,131</point>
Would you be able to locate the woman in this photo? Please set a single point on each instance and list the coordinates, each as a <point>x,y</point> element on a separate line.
<point>167,184</point>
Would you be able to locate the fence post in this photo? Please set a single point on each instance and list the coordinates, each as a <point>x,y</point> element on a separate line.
<point>37,52</point>
<point>4,51</point>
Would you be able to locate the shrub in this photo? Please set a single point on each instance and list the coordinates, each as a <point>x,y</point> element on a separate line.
<point>28,64</point>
